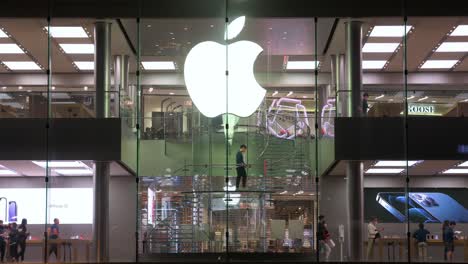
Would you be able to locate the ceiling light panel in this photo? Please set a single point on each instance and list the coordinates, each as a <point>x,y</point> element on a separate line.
<point>389,31</point>
<point>300,65</point>
<point>453,47</point>
<point>380,47</point>
<point>464,164</point>
<point>67,32</point>
<point>74,172</point>
<point>10,48</point>
<point>158,65</point>
<point>78,48</point>
<point>5,172</point>
<point>461,30</point>
<point>61,164</point>
<point>456,171</point>
<point>84,65</point>
<point>21,65</point>
<point>439,64</point>
<point>373,64</point>
<point>384,171</point>
<point>394,163</point>
<point>3,34</point>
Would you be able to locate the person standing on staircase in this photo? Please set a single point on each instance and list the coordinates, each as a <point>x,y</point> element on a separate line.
<point>240,167</point>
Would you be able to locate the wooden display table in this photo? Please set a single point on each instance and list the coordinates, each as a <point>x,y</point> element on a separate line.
<point>72,244</point>
<point>401,242</point>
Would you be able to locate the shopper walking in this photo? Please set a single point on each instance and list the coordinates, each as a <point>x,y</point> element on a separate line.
<point>449,237</point>
<point>445,225</point>
<point>240,167</point>
<point>2,241</point>
<point>421,237</point>
<point>324,238</point>
<point>22,237</point>
<point>13,241</point>
<point>373,233</point>
<point>365,104</point>
<point>54,232</point>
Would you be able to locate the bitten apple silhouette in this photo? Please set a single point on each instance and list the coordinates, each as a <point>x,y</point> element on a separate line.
<point>205,75</point>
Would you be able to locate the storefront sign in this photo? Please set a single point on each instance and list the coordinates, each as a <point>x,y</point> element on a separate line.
<point>421,109</point>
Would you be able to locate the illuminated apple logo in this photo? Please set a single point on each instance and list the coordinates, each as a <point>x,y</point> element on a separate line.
<point>205,75</point>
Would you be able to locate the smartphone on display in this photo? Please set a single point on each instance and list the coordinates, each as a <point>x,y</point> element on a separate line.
<point>440,206</point>
<point>12,212</point>
<point>395,203</point>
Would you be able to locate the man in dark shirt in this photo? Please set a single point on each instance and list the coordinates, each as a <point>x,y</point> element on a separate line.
<point>54,232</point>
<point>2,241</point>
<point>421,237</point>
<point>449,237</point>
<point>365,105</point>
<point>240,167</point>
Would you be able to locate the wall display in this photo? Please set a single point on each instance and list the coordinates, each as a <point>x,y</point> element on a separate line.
<point>151,205</point>
<point>70,205</point>
<point>427,205</point>
<point>328,118</point>
<point>420,109</point>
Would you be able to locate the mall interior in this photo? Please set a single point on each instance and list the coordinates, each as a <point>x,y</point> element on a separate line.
<point>121,130</point>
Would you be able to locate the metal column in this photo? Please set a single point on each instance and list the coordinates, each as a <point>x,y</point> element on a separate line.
<point>354,169</point>
<point>121,68</point>
<point>101,179</point>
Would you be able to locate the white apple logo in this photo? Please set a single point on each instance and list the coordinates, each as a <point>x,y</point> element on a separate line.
<point>205,75</point>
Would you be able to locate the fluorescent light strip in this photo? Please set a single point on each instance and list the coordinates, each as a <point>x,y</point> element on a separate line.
<point>453,47</point>
<point>21,65</point>
<point>67,32</point>
<point>464,164</point>
<point>461,30</point>
<point>411,97</point>
<point>373,64</point>
<point>3,34</point>
<point>84,65</point>
<point>74,171</point>
<point>380,47</point>
<point>78,48</point>
<point>158,65</point>
<point>456,171</point>
<point>389,31</point>
<point>10,49</point>
<point>394,163</point>
<point>439,64</point>
<point>384,171</point>
<point>5,172</point>
<point>300,65</point>
<point>422,99</point>
<point>61,164</point>
<point>380,96</point>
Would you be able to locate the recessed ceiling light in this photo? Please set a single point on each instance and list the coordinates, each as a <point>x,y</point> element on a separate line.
<point>453,47</point>
<point>380,47</point>
<point>290,93</point>
<point>6,172</point>
<point>464,164</point>
<point>61,164</point>
<point>84,65</point>
<point>74,171</point>
<point>300,65</point>
<point>10,49</point>
<point>389,31</point>
<point>78,48</point>
<point>20,87</point>
<point>274,93</point>
<point>422,99</point>
<point>394,163</point>
<point>373,64</point>
<point>67,32</point>
<point>439,64</point>
<point>85,88</point>
<point>21,65</point>
<point>434,101</point>
<point>3,34</point>
<point>461,30</point>
<point>171,93</point>
<point>384,171</point>
<point>456,171</point>
<point>4,87</point>
<point>380,96</point>
<point>411,97</point>
<point>158,65</point>
<point>53,87</point>
<point>150,89</point>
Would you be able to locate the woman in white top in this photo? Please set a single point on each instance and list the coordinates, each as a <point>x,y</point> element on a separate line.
<point>373,233</point>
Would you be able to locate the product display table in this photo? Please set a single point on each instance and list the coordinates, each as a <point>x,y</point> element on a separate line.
<point>67,249</point>
<point>401,242</point>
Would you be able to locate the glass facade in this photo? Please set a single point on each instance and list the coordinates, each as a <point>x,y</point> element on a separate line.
<point>233,137</point>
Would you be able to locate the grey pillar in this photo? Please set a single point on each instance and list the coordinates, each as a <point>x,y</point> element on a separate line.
<point>101,179</point>
<point>354,169</point>
<point>121,68</point>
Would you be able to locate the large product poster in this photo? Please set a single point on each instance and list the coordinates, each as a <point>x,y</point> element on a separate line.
<point>69,205</point>
<point>426,205</point>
